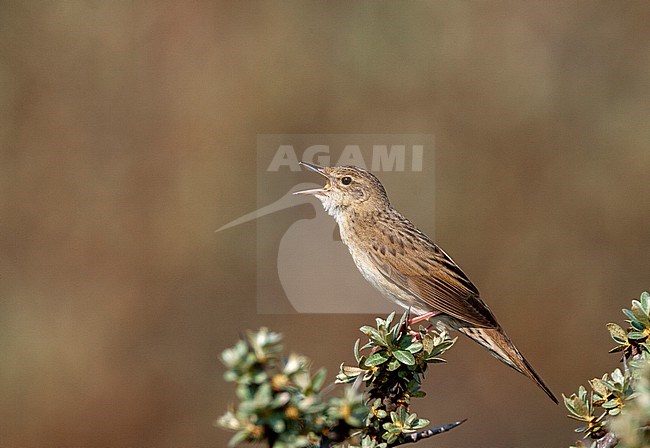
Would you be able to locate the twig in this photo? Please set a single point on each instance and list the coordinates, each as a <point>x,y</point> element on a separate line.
<point>609,440</point>
<point>412,438</point>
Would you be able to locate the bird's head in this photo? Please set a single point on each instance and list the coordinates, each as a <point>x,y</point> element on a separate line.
<point>348,188</point>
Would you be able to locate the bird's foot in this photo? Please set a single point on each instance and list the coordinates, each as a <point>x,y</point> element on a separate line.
<point>417,335</point>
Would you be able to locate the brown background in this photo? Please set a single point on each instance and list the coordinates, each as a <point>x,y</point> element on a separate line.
<point>128,135</point>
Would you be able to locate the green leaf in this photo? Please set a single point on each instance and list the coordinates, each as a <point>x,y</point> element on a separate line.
<point>599,387</point>
<point>610,404</point>
<point>389,319</point>
<point>636,335</point>
<point>415,347</point>
<point>640,311</point>
<point>377,358</point>
<point>436,360</point>
<point>318,379</point>
<point>373,334</point>
<point>393,365</point>
<point>278,424</point>
<point>396,331</point>
<point>404,357</point>
<point>239,437</point>
<point>617,376</point>
<point>441,348</point>
<point>280,400</point>
<point>411,419</point>
<point>420,423</point>
<point>617,333</point>
<point>638,326</point>
<point>578,405</point>
<point>231,376</point>
<point>389,437</point>
<point>645,298</point>
<point>629,314</point>
<point>348,373</point>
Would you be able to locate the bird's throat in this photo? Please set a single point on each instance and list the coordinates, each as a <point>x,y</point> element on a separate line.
<point>331,207</point>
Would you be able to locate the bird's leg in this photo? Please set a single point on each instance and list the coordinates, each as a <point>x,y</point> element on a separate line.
<point>423,317</point>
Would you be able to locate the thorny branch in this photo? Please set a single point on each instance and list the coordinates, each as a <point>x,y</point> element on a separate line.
<point>412,438</point>
<point>609,440</point>
<point>416,437</point>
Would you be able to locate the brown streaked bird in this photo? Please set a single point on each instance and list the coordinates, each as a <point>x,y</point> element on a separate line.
<point>406,266</point>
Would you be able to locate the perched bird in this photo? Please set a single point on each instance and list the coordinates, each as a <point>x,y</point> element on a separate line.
<point>406,266</point>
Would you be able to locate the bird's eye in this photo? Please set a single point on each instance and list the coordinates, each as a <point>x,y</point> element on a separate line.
<point>347,180</point>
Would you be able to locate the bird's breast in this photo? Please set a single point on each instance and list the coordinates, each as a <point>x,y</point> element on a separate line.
<point>376,277</point>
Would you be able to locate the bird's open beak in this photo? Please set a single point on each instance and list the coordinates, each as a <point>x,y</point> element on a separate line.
<point>320,170</point>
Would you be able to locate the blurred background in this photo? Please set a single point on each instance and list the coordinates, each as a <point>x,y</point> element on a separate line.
<point>128,135</point>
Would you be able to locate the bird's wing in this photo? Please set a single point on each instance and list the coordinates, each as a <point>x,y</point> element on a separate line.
<point>434,278</point>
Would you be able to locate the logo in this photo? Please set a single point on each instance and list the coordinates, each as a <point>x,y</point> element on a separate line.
<point>302,265</point>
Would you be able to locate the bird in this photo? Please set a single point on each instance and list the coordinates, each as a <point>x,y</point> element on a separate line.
<point>406,266</point>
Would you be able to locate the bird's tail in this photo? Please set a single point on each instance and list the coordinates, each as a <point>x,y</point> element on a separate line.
<point>502,348</point>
